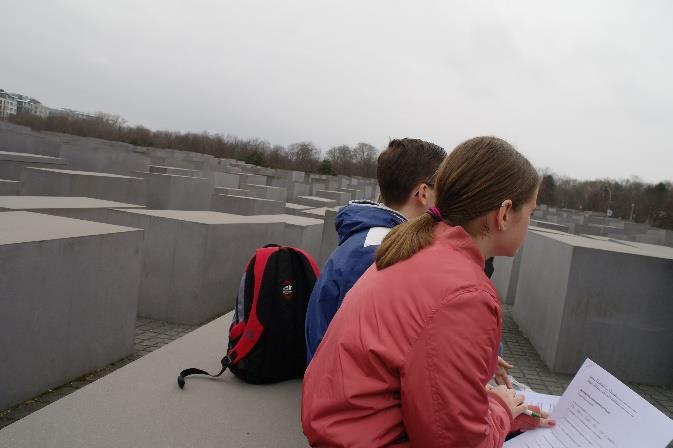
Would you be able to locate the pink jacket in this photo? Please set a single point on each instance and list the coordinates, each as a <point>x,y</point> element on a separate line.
<point>407,355</point>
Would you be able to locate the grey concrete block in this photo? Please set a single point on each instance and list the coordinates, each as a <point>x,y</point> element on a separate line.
<point>91,154</point>
<point>300,232</point>
<point>506,274</point>
<point>504,279</point>
<point>316,186</point>
<point>66,206</point>
<point>294,189</point>
<point>329,239</point>
<point>9,187</point>
<point>252,179</point>
<point>550,225</point>
<point>294,176</point>
<point>267,192</point>
<point>316,212</point>
<point>239,205</point>
<point>226,180</point>
<point>314,201</point>
<point>158,169</point>
<point>354,194</point>
<point>69,296</point>
<point>12,163</point>
<point>111,187</point>
<point>194,260</point>
<point>340,197</point>
<point>23,139</point>
<point>611,301</point>
<point>295,209</point>
<point>171,192</point>
<point>370,192</point>
<point>140,405</point>
<point>235,192</point>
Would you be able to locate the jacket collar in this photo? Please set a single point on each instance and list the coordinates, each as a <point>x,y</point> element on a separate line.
<point>458,238</point>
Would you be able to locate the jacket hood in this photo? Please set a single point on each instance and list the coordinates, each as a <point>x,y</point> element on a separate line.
<point>362,215</point>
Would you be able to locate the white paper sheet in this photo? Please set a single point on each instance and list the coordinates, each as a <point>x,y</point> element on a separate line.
<point>599,411</point>
<point>545,401</point>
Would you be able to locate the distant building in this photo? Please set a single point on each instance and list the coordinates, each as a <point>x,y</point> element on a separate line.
<point>74,113</point>
<point>28,105</point>
<point>16,103</point>
<point>8,105</point>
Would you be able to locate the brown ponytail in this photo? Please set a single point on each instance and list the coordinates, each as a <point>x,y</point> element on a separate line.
<point>473,180</point>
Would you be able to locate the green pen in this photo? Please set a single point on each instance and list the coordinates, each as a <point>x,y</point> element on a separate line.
<point>532,414</point>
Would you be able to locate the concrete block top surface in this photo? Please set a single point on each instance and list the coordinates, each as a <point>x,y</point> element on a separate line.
<point>288,219</point>
<point>209,217</point>
<point>140,405</point>
<point>266,187</point>
<point>172,175</point>
<point>546,230</point>
<point>248,198</point>
<point>83,173</point>
<point>28,158</point>
<point>25,227</point>
<point>173,168</point>
<point>611,245</point>
<point>297,206</point>
<point>320,211</point>
<point>57,202</point>
<point>318,199</point>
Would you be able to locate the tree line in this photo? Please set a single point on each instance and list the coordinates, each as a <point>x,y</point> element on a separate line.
<point>629,199</point>
<point>357,160</point>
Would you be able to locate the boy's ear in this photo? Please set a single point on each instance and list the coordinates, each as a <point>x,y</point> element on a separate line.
<point>422,194</point>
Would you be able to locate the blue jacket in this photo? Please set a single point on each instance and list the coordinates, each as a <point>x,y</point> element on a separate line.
<point>361,226</point>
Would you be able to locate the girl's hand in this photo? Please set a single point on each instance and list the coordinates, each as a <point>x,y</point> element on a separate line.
<point>514,402</point>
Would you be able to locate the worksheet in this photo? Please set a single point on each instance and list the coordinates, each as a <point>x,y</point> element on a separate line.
<point>544,401</point>
<point>599,411</point>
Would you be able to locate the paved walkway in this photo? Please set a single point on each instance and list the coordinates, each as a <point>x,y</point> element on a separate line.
<point>529,368</point>
<point>150,335</point>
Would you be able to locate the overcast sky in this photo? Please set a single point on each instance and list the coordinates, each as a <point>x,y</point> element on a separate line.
<point>584,88</point>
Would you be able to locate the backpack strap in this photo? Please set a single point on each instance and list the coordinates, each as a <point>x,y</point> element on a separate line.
<point>253,328</point>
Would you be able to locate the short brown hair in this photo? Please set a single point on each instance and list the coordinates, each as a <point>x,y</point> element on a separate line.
<point>404,164</point>
<point>476,178</point>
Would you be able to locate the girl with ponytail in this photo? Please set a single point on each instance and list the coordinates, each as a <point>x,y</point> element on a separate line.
<point>407,358</point>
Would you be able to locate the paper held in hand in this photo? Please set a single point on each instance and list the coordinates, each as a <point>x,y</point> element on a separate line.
<point>599,411</point>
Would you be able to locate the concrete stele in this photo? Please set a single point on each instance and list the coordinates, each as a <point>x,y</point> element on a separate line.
<point>173,192</point>
<point>194,259</point>
<point>609,300</point>
<point>9,187</point>
<point>112,187</point>
<point>67,206</point>
<point>240,205</point>
<point>69,300</point>
<point>315,201</point>
<point>11,163</point>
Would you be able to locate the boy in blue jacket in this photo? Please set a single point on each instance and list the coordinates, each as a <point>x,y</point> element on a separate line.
<point>405,173</point>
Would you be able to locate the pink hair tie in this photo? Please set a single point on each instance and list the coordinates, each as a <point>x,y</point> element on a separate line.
<point>435,213</point>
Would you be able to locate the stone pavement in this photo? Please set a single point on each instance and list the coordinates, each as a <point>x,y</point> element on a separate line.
<point>529,368</point>
<point>150,335</point>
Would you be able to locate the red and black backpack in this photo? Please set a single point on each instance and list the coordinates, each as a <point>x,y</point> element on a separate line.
<point>266,337</point>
